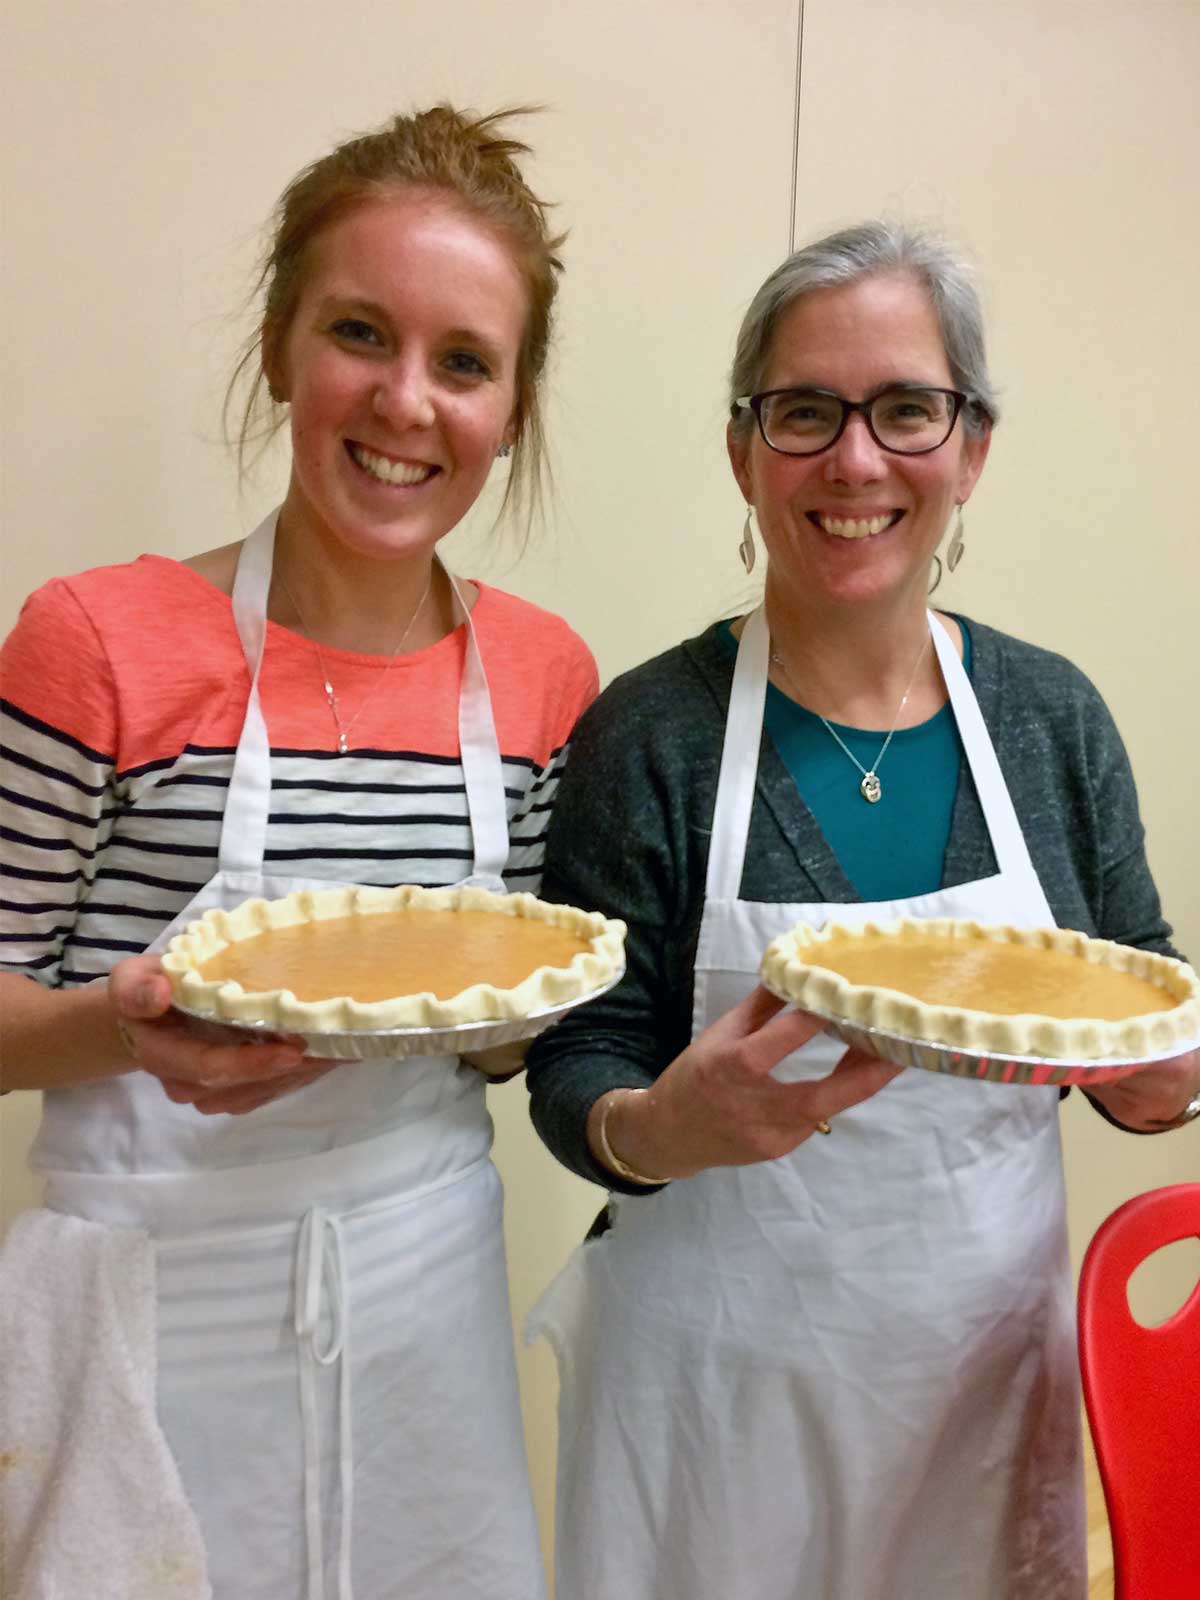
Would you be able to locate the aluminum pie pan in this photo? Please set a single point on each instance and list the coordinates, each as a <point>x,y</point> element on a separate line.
<point>993,1066</point>
<point>390,1044</point>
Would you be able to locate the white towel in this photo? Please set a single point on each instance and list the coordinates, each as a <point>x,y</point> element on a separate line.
<point>91,1503</point>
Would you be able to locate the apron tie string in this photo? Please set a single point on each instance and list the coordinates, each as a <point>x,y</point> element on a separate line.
<point>320,1284</point>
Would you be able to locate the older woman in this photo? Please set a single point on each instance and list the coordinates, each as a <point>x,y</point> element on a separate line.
<point>839,1367</point>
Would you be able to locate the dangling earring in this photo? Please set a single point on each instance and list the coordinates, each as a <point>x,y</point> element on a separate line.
<point>746,549</point>
<point>954,551</point>
<point>938,579</point>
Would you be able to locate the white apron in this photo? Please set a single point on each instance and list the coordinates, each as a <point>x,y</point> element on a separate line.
<point>848,1374</point>
<point>335,1369</point>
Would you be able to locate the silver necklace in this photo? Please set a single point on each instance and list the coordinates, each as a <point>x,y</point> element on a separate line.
<point>343,729</point>
<point>870,787</point>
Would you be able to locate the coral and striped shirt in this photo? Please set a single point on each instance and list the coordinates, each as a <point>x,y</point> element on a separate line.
<point>124,692</point>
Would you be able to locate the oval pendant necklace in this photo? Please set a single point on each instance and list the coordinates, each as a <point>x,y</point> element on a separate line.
<point>870,788</point>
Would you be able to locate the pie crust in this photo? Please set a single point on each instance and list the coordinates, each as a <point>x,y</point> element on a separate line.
<point>1006,984</point>
<point>594,957</point>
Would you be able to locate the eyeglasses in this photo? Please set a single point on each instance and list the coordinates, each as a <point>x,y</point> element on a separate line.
<point>907,419</point>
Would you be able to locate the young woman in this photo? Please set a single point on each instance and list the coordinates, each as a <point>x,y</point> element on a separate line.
<point>315,1248</point>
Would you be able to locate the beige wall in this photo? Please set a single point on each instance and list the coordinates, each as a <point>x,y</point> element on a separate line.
<point>1059,139</point>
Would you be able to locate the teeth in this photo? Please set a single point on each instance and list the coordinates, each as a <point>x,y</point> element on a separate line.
<point>850,528</point>
<point>389,471</point>
<point>854,528</point>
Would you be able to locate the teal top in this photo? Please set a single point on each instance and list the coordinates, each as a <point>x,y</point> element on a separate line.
<point>894,849</point>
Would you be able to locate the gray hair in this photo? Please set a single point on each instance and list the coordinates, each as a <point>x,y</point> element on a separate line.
<point>867,250</point>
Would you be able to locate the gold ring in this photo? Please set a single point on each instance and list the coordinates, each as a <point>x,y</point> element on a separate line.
<point>823,1127</point>
<point>126,1039</point>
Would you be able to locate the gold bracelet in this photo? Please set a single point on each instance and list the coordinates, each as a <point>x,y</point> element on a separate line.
<point>612,1162</point>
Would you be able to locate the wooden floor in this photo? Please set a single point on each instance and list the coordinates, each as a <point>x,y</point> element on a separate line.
<point>1100,1567</point>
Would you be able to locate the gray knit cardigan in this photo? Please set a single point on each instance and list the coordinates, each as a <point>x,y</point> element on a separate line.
<point>632,817</point>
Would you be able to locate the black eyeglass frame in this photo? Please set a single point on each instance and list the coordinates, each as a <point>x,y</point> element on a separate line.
<point>754,402</point>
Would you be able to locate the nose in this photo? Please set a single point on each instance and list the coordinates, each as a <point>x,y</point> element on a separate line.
<point>403,395</point>
<point>855,457</point>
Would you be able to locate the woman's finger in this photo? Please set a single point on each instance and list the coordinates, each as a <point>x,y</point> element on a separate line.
<point>237,1102</point>
<point>178,1090</point>
<point>856,1078</point>
<point>758,1032</point>
<point>747,1017</point>
<point>778,1036</point>
<point>242,1098</point>
<point>138,988</point>
<point>168,1052</point>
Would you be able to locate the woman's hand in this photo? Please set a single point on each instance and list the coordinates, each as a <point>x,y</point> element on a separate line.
<point>501,1062</point>
<point>717,1105</point>
<point>1150,1100</point>
<point>232,1078</point>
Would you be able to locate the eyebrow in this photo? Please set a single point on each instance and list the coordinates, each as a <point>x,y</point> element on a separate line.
<point>871,394</point>
<point>350,302</point>
<point>351,305</point>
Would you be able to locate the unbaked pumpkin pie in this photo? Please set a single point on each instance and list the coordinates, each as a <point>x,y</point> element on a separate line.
<point>1048,992</point>
<point>366,959</point>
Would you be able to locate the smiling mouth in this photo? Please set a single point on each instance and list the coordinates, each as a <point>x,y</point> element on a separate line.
<point>384,470</point>
<point>854,527</point>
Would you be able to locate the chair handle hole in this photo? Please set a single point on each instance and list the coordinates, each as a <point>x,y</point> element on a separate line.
<point>1161,1284</point>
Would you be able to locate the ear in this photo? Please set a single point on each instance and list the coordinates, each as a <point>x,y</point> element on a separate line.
<point>738,446</point>
<point>975,453</point>
<point>514,428</point>
<point>273,366</point>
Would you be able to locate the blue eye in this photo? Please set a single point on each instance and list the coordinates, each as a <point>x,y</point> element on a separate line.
<point>467,364</point>
<point>354,331</point>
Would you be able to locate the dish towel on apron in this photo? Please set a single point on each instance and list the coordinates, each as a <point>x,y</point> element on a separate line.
<point>79,1438</point>
<point>333,1330</point>
<point>848,1374</point>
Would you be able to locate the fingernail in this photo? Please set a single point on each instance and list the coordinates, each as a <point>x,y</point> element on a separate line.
<point>145,996</point>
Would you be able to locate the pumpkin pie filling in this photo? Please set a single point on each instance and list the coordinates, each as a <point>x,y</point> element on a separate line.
<point>394,953</point>
<point>1005,978</point>
<point>361,959</point>
<point>1050,993</point>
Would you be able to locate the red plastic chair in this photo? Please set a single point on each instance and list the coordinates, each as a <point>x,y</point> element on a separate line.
<point>1142,1390</point>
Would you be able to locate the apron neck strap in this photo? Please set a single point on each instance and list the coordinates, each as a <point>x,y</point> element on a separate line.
<point>251,588</point>
<point>1008,841</point>
<point>483,774</point>
<point>739,761</point>
<point>248,800</point>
